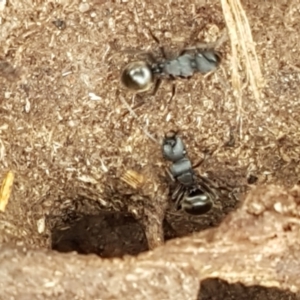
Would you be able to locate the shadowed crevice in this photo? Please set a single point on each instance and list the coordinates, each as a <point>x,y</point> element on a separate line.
<point>108,234</point>
<point>217,289</point>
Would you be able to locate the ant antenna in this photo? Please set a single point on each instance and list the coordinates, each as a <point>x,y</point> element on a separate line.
<point>161,48</point>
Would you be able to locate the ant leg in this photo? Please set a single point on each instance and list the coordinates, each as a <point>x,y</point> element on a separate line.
<point>149,56</point>
<point>177,195</point>
<point>173,92</point>
<point>183,51</point>
<point>216,44</point>
<point>163,52</point>
<point>153,36</point>
<point>142,101</point>
<point>206,185</point>
<point>200,161</point>
<point>161,48</point>
<point>157,86</point>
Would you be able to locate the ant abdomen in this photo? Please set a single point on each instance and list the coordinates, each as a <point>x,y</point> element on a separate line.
<point>137,76</point>
<point>197,203</point>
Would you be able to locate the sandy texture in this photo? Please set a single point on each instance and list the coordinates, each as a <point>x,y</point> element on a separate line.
<point>67,135</point>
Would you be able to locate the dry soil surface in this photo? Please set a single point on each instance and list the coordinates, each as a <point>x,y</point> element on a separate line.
<point>67,135</point>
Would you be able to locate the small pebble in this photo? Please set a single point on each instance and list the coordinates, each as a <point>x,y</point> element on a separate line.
<point>84,7</point>
<point>2,4</point>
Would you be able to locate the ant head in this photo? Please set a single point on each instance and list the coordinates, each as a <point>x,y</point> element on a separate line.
<point>137,76</point>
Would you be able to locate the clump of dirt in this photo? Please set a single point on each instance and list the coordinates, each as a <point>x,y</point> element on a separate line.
<point>257,246</point>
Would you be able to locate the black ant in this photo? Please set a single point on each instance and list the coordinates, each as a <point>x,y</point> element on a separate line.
<point>140,76</point>
<point>193,196</point>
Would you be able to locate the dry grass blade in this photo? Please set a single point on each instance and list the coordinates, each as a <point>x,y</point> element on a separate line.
<point>133,178</point>
<point>5,191</point>
<point>242,44</point>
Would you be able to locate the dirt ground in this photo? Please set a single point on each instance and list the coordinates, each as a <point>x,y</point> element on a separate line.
<point>66,134</point>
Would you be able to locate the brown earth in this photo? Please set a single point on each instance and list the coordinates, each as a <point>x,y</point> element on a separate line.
<point>66,134</point>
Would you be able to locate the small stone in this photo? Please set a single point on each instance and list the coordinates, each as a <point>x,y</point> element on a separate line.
<point>41,225</point>
<point>84,7</point>
<point>2,4</point>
